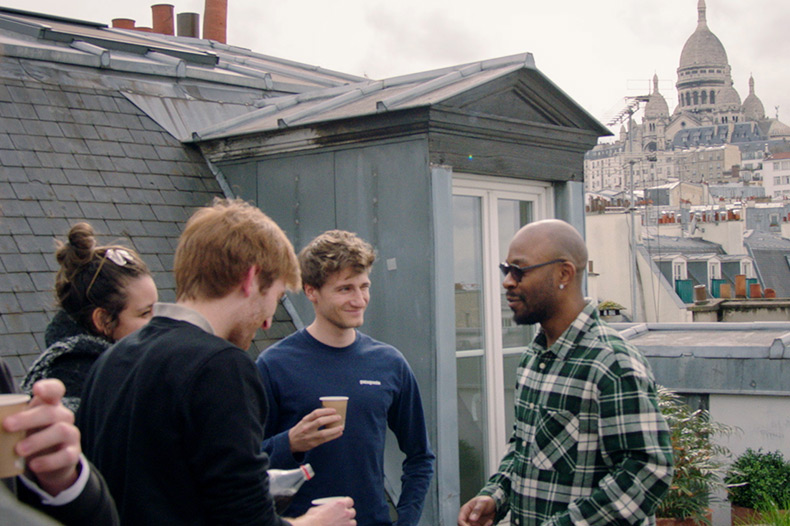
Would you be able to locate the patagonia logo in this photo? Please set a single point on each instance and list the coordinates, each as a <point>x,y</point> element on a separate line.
<point>369,382</point>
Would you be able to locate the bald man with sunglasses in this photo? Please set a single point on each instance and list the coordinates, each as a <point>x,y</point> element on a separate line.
<point>589,445</point>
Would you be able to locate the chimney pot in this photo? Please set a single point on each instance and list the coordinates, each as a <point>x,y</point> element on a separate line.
<point>144,29</point>
<point>700,293</point>
<point>123,23</point>
<point>188,25</point>
<point>755,291</point>
<point>215,20</point>
<point>162,15</point>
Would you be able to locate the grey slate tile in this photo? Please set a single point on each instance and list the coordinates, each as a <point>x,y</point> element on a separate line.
<point>69,145</point>
<point>58,160</point>
<point>106,148</point>
<point>97,210</point>
<point>23,142</point>
<point>79,176</point>
<point>114,134</point>
<point>91,116</point>
<point>11,173</point>
<point>10,110</point>
<point>54,114</point>
<point>110,194</point>
<point>42,281</point>
<point>33,243</point>
<point>70,194</point>
<point>12,125</point>
<point>12,360</point>
<point>139,195</point>
<point>25,110</point>
<point>16,225</point>
<point>28,191</point>
<point>5,140</point>
<point>35,301</point>
<point>135,211</point>
<point>158,182</point>
<point>125,165</point>
<point>10,158</point>
<point>5,94</point>
<point>171,213</point>
<point>139,151</point>
<point>126,227</point>
<point>51,226</point>
<point>37,127</point>
<point>29,322</point>
<point>7,246</point>
<point>162,228</point>
<point>47,175</point>
<point>9,303</point>
<point>152,245</point>
<point>17,208</point>
<point>78,131</point>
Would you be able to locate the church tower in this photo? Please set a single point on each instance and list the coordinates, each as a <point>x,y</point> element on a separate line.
<point>704,83</point>
<point>655,120</point>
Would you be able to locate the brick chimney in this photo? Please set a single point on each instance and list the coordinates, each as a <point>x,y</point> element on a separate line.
<point>215,20</point>
<point>123,23</point>
<point>162,15</point>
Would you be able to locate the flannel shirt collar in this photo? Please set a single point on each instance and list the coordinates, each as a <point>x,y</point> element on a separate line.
<point>570,338</point>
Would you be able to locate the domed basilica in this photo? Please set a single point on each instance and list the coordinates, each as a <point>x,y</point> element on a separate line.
<point>710,136</point>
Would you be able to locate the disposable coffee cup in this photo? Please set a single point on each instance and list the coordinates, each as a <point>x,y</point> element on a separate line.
<point>10,463</point>
<point>338,403</point>
<point>326,500</point>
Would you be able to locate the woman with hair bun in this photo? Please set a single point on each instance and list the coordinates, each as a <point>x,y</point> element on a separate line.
<point>104,293</point>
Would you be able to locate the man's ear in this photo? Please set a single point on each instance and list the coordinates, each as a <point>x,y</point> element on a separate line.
<point>249,282</point>
<point>310,292</point>
<point>567,273</point>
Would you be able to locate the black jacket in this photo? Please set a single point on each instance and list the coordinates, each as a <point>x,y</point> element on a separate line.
<point>94,506</point>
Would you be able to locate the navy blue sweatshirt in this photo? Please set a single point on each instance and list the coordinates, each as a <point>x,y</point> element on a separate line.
<point>382,393</point>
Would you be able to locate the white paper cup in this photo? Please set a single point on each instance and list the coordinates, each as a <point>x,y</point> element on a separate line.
<point>339,403</point>
<point>326,500</point>
<point>10,463</point>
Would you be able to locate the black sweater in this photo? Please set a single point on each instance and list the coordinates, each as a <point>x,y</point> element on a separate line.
<point>173,416</point>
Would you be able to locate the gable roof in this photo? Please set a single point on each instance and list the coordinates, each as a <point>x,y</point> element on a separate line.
<point>534,97</point>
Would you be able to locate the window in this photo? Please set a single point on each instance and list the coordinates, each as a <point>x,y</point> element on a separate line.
<point>747,268</point>
<point>679,270</point>
<point>486,214</point>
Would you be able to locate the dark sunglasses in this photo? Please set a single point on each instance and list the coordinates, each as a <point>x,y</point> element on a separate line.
<point>518,272</point>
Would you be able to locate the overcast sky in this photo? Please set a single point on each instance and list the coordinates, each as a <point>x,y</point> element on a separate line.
<point>598,52</point>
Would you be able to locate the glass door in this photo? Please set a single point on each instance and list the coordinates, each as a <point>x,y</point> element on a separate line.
<point>487,212</point>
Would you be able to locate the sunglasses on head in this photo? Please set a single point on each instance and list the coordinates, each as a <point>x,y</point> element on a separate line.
<point>518,272</point>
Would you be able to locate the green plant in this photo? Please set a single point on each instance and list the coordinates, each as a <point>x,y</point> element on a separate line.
<point>758,478</point>
<point>610,305</point>
<point>699,461</point>
<point>774,514</point>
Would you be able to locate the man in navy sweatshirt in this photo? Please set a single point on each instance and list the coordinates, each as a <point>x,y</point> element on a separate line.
<point>331,357</point>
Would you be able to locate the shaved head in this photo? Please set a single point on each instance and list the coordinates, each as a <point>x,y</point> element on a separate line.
<point>552,239</point>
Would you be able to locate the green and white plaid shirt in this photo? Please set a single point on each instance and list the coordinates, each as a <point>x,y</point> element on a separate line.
<point>589,446</point>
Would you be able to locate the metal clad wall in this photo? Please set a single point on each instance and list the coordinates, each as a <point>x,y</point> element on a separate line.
<point>383,192</point>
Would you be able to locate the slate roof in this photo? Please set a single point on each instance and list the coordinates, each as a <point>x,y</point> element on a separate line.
<point>771,255</point>
<point>90,122</point>
<point>728,358</point>
<point>666,245</point>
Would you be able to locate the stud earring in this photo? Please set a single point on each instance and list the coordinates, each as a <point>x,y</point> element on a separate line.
<point>562,286</point>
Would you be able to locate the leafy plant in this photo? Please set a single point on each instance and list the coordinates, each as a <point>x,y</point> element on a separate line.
<point>774,514</point>
<point>699,461</point>
<point>610,305</point>
<point>758,478</point>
